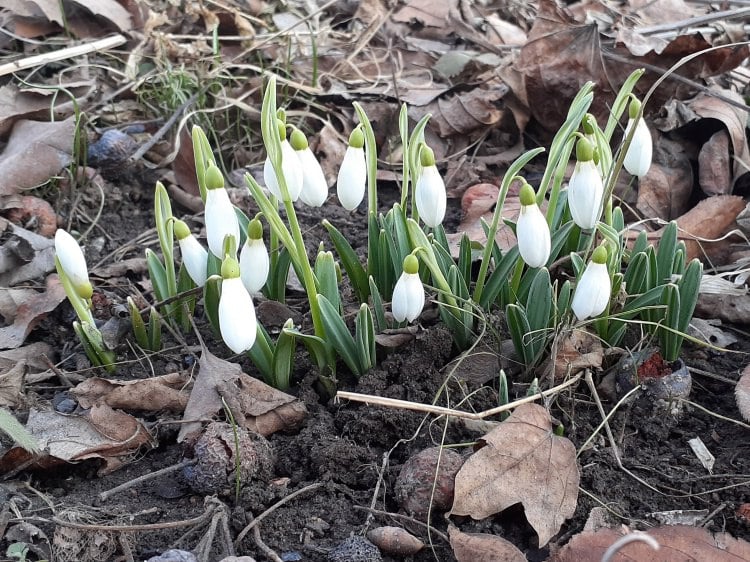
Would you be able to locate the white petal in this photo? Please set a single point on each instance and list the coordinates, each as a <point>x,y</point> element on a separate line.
<point>194,258</point>
<point>290,167</point>
<point>236,316</point>
<point>352,178</point>
<point>593,291</point>
<point>431,197</point>
<point>532,231</point>
<point>314,185</point>
<point>408,297</point>
<point>71,259</point>
<point>638,157</point>
<point>254,265</point>
<point>585,194</point>
<point>221,220</point>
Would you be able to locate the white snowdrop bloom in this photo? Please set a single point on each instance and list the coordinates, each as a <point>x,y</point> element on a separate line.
<point>430,191</point>
<point>221,220</point>
<point>314,185</point>
<point>532,230</point>
<point>638,157</point>
<point>594,288</point>
<point>290,167</point>
<point>408,294</point>
<point>585,189</point>
<point>254,260</point>
<point>237,322</point>
<point>352,177</point>
<point>194,256</point>
<point>73,263</point>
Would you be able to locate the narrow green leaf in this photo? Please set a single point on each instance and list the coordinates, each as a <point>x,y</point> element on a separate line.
<point>499,277</point>
<point>158,275</point>
<point>154,330</point>
<point>350,262</point>
<point>636,274</point>
<point>670,340</point>
<point>211,295</point>
<point>563,300</point>
<point>518,326</point>
<point>559,239</point>
<point>325,273</point>
<point>139,326</point>
<point>464,257</point>
<point>578,265</point>
<point>640,244</point>
<point>338,335</point>
<point>665,253</point>
<point>261,354</point>
<point>364,335</point>
<point>18,433</point>
<point>377,306</point>
<point>283,356</point>
<point>689,286</point>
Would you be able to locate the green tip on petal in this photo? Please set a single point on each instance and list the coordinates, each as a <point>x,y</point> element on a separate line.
<point>298,140</point>
<point>281,126</point>
<point>357,138</point>
<point>634,107</point>
<point>230,268</point>
<point>584,150</point>
<point>589,124</point>
<point>255,230</point>
<point>426,156</point>
<point>214,178</point>
<point>411,264</point>
<point>527,195</point>
<point>181,229</point>
<point>599,255</point>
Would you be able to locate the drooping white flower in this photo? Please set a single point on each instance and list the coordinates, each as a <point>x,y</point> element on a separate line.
<point>221,220</point>
<point>290,167</point>
<point>73,263</point>
<point>638,157</point>
<point>594,288</point>
<point>532,230</point>
<point>585,189</point>
<point>237,322</point>
<point>314,185</point>
<point>352,178</point>
<point>408,294</point>
<point>254,261</point>
<point>194,255</point>
<point>430,190</point>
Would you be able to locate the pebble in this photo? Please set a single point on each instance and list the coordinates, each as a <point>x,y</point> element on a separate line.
<point>174,555</point>
<point>355,549</point>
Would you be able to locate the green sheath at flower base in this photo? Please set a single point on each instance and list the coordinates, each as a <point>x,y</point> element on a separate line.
<point>584,150</point>
<point>588,123</point>
<point>214,177</point>
<point>298,140</point>
<point>426,156</point>
<point>357,138</point>
<point>599,255</point>
<point>255,229</point>
<point>634,108</point>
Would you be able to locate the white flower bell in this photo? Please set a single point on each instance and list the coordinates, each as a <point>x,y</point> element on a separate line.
<point>594,288</point>
<point>430,190</point>
<point>221,220</point>
<point>254,261</point>
<point>237,322</point>
<point>73,263</point>
<point>314,185</point>
<point>408,294</point>
<point>290,167</point>
<point>585,189</point>
<point>638,157</point>
<point>532,230</point>
<point>194,256</point>
<point>352,177</point>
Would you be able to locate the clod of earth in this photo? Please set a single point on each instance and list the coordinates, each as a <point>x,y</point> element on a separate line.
<point>419,481</point>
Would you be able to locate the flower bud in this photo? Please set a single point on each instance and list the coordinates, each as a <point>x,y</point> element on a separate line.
<point>194,256</point>
<point>73,263</point>
<point>352,177</point>
<point>532,230</point>
<point>430,190</point>
<point>594,288</point>
<point>290,167</point>
<point>638,157</point>
<point>254,261</point>
<point>408,294</point>
<point>585,189</point>
<point>314,185</point>
<point>237,322</point>
<point>221,219</point>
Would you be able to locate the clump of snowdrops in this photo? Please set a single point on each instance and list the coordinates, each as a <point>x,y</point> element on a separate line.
<point>408,252</point>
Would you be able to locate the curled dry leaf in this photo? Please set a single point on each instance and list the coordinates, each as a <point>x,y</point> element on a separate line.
<point>24,255</point>
<point>481,547</point>
<point>166,392</point>
<point>577,350</point>
<point>677,543</point>
<point>742,393</point>
<point>395,540</point>
<point>665,191</point>
<point>714,171</point>
<point>31,312</point>
<point>522,461</point>
<point>11,385</point>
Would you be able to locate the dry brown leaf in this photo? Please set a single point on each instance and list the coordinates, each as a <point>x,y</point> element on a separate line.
<point>426,12</point>
<point>254,404</point>
<point>677,543</point>
<point>31,312</point>
<point>36,151</point>
<point>523,461</point>
<point>183,165</point>
<point>742,393</point>
<point>11,386</point>
<point>24,254</point>
<point>665,191</point>
<point>576,351</point>
<point>714,173</point>
<point>34,355</point>
<point>710,219</point>
<point>120,268</point>
<point>481,547</point>
<point>165,392</point>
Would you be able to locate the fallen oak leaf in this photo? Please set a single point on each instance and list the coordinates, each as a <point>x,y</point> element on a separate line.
<point>11,385</point>
<point>482,547</point>
<point>522,461</point>
<point>165,392</point>
<point>30,313</point>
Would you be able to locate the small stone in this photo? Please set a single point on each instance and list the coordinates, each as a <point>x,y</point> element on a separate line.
<point>238,559</point>
<point>355,549</point>
<point>174,555</point>
<point>415,482</point>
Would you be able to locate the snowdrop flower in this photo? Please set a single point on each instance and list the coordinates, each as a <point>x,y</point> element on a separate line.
<point>638,157</point>
<point>72,263</point>
<point>594,288</point>
<point>194,256</point>
<point>237,322</point>
<point>585,189</point>
<point>430,190</point>
<point>314,185</point>
<point>254,260</point>
<point>352,178</point>
<point>221,220</point>
<point>290,167</point>
<point>408,294</point>
<point>532,231</point>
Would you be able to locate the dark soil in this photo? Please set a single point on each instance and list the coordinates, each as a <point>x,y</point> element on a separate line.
<point>355,451</point>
